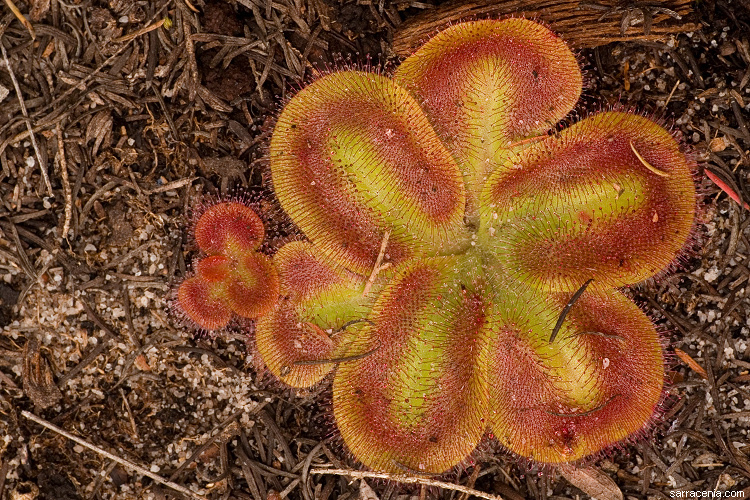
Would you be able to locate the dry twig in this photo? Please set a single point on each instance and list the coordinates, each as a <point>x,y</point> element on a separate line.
<point>581,24</point>
<point>62,162</point>
<point>119,460</point>
<point>42,167</point>
<point>406,479</point>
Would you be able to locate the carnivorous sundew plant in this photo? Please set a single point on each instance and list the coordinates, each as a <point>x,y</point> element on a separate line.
<point>462,269</point>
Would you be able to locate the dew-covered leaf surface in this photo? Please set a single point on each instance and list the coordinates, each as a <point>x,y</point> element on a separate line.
<point>152,123</point>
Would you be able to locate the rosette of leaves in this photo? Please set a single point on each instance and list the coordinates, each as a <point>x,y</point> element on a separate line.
<point>450,230</point>
<point>232,277</point>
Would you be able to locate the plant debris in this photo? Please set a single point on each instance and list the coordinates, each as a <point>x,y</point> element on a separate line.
<point>119,116</point>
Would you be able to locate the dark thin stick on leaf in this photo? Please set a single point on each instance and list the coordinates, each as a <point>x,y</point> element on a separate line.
<point>567,308</point>
<point>308,362</point>
<point>353,322</point>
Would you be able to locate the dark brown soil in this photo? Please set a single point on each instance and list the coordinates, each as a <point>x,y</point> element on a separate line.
<point>151,122</point>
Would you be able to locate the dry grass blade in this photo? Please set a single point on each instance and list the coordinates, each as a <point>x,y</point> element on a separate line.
<point>567,308</point>
<point>141,31</point>
<point>14,9</point>
<point>693,364</point>
<point>646,164</point>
